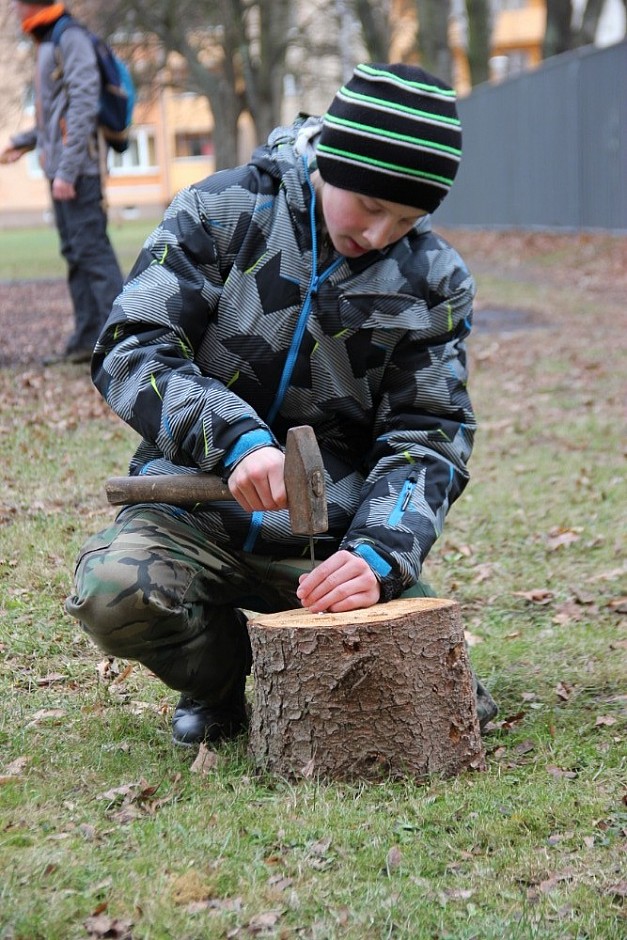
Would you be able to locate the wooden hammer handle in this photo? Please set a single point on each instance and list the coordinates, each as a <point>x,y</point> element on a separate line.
<point>304,483</point>
<point>178,489</point>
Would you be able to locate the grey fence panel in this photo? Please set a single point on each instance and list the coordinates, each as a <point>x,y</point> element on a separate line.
<point>547,149</point>
<point>603,95</point>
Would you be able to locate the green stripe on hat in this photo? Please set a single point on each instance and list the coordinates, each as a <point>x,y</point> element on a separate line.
<point>361,160</point>
<point>384,105</point>
<point>392,135</point>
<point>440,90</point>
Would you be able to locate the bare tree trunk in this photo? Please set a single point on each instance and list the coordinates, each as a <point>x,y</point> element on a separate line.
<point>374,16</point>
<point>264,65</point>
<point>366,694</point>
<point>479,40</point>
<point>435,55</point>
<point>590,23</point>
<point>558,34</point>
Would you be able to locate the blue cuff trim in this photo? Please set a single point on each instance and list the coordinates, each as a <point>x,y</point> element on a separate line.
<point>379,565</point>
<point>250,441</point>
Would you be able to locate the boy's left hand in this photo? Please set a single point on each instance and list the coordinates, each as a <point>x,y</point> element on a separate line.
<point>342,582</point>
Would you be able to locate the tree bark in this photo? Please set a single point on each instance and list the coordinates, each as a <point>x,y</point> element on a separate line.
<point>479,40</point>
<point>435,55</point>
<point>385,691</point>
<point>558,33</point>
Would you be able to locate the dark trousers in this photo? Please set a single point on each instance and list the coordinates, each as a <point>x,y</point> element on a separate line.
<point>94,276</point>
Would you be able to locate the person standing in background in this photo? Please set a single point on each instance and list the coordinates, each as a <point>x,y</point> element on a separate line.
<point>67,94</point>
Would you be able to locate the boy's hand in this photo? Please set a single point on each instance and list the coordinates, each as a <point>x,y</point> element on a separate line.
<point>62,190</point>
<point>257,483</point>
<point>342,582</point>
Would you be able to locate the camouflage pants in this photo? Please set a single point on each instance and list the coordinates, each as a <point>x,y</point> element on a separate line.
<point>152,588</point>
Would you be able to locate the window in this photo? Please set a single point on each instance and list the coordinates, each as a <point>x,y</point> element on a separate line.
<point>140,157</point>
<point>193,144</point>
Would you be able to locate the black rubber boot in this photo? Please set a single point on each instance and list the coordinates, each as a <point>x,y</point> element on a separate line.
<point>194,722</point>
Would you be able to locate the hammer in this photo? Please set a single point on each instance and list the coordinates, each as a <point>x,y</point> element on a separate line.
<point>304,484</point>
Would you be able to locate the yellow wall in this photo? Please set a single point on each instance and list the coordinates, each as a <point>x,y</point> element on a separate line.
<point>25,194</point>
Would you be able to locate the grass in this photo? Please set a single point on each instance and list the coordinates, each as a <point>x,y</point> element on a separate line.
<point>103,823</point>
<point>42,243</point>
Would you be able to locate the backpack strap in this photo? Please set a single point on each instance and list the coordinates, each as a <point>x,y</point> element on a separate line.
<point>64,21</point>
<point>60,27</point>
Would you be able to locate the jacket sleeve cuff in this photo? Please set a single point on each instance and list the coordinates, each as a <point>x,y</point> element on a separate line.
<point>245,445</point>
<point>392,585</point>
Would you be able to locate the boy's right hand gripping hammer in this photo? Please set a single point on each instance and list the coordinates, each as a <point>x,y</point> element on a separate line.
<point>304,484</point>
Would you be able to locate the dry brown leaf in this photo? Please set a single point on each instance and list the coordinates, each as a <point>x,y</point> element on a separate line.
<point>560,772</point>
<point>483,572</point>
<point>17,767</point>
<point>605,721</point>
<point>568,612</point>
<point>525,747</point>
<point>307,771</point>
<point>134,800</point>
<point>113,928</point>
<point>559,537</point>
<point>206,761</point>
<point>618,890</point>
<point>45,714</point>
<point>394,859</point>
<point>563,690</point>
<point>265,921</point>
<point>610,575</point>
<point>108,668</point>
<point>51,678</point>
<point>536,595</point>
<point>280,883</point>
<point>124,674</point>
<point>321,847</point>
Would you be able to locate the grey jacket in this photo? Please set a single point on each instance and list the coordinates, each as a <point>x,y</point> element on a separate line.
<point>67,94</point>
<point>231,329</point>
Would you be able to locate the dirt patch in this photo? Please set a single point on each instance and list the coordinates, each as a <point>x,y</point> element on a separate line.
<point>35,320</point>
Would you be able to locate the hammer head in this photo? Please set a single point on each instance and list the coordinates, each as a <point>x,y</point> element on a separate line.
<point>304,482</point>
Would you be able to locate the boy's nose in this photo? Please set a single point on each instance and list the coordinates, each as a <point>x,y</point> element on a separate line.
<point>379,233</point>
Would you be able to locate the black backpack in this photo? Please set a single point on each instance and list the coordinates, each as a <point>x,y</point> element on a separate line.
<point>117,91</point>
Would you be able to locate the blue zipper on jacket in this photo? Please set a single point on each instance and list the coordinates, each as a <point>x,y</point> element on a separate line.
<point>314,284</point>
<point>290,361</point>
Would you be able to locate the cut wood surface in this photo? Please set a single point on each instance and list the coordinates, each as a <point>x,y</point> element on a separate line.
<point>370,693</point>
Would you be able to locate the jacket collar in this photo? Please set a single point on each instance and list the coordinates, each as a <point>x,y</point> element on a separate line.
<point>39,23</point>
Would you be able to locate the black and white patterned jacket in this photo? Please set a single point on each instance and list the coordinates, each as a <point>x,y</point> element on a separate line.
<point>229,331</point>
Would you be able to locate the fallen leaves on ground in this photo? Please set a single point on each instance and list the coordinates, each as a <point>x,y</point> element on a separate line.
<point>206,761</point>
<point>536,595</point>
<point>559,537</point>
<point>14,770</point>
<point>133,800</point>
<point>100,926</point>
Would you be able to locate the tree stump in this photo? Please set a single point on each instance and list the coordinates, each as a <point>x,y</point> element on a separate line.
<point>385,691</point>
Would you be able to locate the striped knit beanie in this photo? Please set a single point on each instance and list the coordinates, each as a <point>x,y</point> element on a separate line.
<point>392,132</point>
